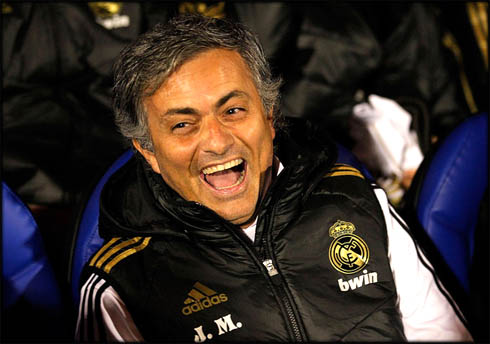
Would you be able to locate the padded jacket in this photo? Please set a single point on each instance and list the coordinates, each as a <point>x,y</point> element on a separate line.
<point>317,270</point>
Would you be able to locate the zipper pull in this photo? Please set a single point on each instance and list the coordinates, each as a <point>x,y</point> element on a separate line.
<point>273,273</point>
<point>271,270</point>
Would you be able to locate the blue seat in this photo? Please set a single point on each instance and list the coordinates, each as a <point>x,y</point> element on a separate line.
<point>87,239</point>
<point>33,306</point>
<point>27,274</point>
<point>345,156</point>
<point>452,188</point>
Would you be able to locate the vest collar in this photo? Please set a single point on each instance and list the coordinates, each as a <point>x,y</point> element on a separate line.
<point>136,200</point>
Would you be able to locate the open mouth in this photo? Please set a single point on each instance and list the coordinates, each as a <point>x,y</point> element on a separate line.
<point>225,176</point>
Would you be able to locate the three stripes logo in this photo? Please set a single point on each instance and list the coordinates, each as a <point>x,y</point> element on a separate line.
<point>201,297</point>
<point>116,250</point>
<point>344,170</point>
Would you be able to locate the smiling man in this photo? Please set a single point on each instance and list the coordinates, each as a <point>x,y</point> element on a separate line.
<point>222,228</point>
<point>212,138</point>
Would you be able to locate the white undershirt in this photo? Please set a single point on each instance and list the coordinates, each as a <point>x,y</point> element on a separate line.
<point>250,230</point>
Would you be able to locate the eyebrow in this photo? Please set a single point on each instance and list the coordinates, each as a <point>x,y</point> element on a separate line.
<point>230,95</point>
<point>182,111</point>
<point>191,111</point>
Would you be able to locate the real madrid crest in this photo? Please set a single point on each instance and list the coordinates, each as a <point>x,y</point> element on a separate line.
<point>348,253</point>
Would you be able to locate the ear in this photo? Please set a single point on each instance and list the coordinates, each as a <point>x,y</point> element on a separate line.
<point>149,156</point>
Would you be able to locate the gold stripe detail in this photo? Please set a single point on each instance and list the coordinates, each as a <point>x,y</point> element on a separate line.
<point>196,295</point>
<point>127,253</point>
<point>114,250</point>
<point>343,167</point>
<point>204,289</point>
<point>101,250</point>
<point>449,41</point>
<point>344,173</point>
<point>344,170</point>
<point>478,18</point>
<point>483,10</point>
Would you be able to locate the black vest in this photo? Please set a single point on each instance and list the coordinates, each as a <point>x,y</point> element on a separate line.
<point>317,271</point>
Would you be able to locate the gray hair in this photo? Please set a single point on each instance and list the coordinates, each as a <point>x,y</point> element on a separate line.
<point>144,65</point>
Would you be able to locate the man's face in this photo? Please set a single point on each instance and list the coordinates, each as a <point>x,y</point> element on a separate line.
<point>211,136</point>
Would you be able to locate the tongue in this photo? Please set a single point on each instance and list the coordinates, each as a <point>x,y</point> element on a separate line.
<point>223,178</point>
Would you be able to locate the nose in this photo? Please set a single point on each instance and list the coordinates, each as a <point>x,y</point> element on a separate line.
<point>216,138</point>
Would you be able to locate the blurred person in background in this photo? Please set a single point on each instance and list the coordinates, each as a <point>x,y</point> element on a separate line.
<point>57,59</point>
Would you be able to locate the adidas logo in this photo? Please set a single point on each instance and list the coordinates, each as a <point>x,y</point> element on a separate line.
<point>201,297</point>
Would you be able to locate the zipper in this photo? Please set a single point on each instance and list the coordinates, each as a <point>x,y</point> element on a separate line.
<point>274,276</point>
<point>280,288</point>
<point>277,281</point>
<point>266,260</point>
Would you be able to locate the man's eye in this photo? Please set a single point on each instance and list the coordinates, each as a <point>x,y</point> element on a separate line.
<point>180,125</point>
<point>233,111</point>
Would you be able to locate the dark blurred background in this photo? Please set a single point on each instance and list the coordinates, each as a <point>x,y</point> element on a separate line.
<point>58,135</point>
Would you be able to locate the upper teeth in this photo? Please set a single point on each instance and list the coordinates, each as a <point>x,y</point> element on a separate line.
<point>225,166</point>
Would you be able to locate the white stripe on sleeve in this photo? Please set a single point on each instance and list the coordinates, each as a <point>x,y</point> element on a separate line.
<point>118,324</point>
<point>426,312</point>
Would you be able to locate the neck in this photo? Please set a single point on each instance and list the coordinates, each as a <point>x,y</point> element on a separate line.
<point>270,175</point>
